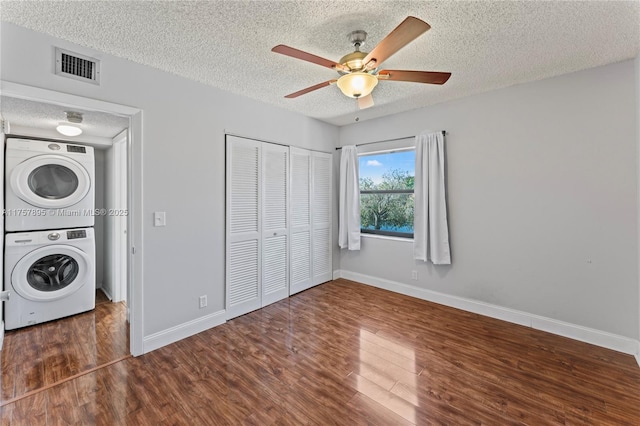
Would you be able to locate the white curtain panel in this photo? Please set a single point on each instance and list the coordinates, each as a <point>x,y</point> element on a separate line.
<point>349,220</point>
<point>431,231</point>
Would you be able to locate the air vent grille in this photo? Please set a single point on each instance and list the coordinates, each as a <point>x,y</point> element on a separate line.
<point>76,66</point>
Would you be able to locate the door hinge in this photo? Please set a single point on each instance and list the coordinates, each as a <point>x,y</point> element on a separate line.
<point>133,250</point>
<point>4,295</point>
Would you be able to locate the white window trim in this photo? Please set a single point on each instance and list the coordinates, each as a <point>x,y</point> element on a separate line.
<point>386,151</point>
<point>387,237</point>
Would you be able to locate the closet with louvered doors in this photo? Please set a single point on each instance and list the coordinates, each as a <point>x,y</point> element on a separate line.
<point>257,224</point>
<point>278,224</point>
<point>311,256</point>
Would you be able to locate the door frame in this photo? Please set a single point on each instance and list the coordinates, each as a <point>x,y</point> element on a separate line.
<point>2,127</point>
<point>119,249</point>
<point>134,174</point>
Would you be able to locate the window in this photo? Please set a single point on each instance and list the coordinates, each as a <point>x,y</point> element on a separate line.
<point>386,193</point>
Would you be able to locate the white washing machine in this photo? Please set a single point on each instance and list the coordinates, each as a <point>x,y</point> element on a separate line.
<point>49,274</point>
<point>48,185</point>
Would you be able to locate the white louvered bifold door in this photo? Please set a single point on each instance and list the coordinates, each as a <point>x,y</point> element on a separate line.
<point>275,226</point>
<point>301,265</point>
<point>243,245</point>
<point>321,166</point>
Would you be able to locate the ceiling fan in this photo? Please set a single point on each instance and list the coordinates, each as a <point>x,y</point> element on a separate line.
<point>359,70</point>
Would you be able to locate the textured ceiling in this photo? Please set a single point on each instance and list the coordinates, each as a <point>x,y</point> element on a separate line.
<point>29,114</point>
<point>226,44</point>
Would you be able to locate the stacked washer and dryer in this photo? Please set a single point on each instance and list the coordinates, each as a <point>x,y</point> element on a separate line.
<point>49,264</point>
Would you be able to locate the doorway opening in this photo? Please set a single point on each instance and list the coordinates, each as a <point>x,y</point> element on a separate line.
<point>117,213</point>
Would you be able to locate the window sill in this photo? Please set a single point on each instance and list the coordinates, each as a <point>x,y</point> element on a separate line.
<point>387,237</point>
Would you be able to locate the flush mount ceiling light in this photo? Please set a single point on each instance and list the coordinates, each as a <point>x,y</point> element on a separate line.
<point>68,129</point>
<point>71,126</point>
<point>359,70</point>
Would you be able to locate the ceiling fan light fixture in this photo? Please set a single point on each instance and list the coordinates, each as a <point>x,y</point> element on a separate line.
<point>68,129</point>
<point>357,84</point>
<point>359,70</point>
<point>354,60</point>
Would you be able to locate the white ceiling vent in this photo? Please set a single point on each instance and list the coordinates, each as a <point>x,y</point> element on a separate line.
<point>76,66</point>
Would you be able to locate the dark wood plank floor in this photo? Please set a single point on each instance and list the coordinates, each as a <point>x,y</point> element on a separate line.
<point>39,356</point>
<point>345,353</point>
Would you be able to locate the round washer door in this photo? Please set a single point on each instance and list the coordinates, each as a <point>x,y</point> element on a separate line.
<point>50,181</point>
<point>51,273</point>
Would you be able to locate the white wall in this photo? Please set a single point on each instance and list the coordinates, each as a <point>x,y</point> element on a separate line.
<point>182,164</point>
<point>542,199</point>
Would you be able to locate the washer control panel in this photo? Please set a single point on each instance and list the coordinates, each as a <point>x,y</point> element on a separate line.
<point>72,235</point>
<point>75,148</point>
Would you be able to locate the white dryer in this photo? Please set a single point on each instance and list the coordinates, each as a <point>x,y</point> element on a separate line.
<point>49,185</point>
<point>49,275</point>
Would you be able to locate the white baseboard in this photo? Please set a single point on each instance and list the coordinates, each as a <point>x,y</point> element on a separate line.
<point>589,335</point>
<point>182,331</point>
<point>107,293</point>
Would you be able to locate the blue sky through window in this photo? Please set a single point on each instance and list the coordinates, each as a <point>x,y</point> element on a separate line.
<point>374,166</point>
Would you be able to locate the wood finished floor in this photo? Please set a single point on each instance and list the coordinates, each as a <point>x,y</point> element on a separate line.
<point>348,354</point>
<point>42,355</point>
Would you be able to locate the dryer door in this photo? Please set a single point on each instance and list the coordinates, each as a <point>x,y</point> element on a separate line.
<point>51,273</point>
<point>50,181</point>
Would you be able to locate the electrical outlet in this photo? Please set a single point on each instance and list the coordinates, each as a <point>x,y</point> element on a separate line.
<point>414,275</point>
<point>203,301</point>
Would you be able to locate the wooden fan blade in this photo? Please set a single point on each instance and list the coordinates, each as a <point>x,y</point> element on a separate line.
<point>430,77</point>
<point>403,34</point>
<point>299,54</point>
<point>365,101</point>
<point>310,89</point>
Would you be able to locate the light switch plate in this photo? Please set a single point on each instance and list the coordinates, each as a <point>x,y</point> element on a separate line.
<point>159,219</point>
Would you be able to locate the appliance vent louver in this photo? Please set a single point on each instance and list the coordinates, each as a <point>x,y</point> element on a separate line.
<point>76,66</point>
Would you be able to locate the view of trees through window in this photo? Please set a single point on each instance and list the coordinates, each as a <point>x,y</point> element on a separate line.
<point>386,193</point>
